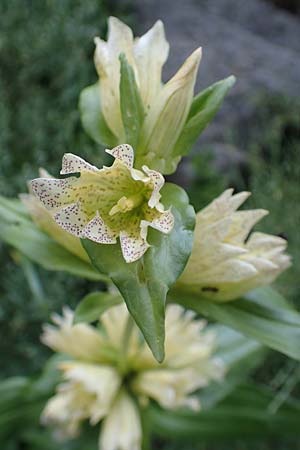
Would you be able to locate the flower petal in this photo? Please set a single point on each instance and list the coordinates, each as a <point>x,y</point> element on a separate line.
<point>123,153</point>
<point>151,52</point>
<point>122,427</point>
<point>169,110</point>
<point>158,182</point>
<point>103,381</point>
<point>53,193</point>
<point>132,247</point>
<point>242,223</point>
<point>120,40</point>
<point>71,218</point>
<point>72,164</point>
<point>96,230</point>
<point>163,223</point>
<point>80,341</point>
<point>44,220</point>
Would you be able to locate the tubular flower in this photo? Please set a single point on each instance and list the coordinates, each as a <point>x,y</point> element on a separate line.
<point>104,204</point>
<point>166,106</point>
<point>110,373</point>
<point>44,220</point>
<point>226,260</point>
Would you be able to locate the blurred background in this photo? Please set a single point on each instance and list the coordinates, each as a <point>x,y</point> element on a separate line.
<point>46,58</point>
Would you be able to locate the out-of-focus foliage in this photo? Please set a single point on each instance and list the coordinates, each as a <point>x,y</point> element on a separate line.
<point>46,52</point>
<point>270,144</point>
<point>274,178</point>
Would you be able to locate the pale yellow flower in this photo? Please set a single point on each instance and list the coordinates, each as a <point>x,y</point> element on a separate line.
<point>105,204</point>
<point>166,106</point>
<point>112,373</point>
<point>44,220</point>
<point>226,260</point>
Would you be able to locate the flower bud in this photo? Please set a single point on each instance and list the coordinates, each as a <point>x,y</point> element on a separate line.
<point>226,261</point>
<point>166,107</point>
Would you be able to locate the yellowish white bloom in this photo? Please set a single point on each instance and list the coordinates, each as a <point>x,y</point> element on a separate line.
<point>43,218</point>
<point>226,260</point>
<point>166,106</point>
<point>105,204</point>
<point>110,373</point>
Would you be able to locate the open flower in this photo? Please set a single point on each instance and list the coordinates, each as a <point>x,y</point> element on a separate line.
<point>104,204</point>
<point>226,261</point>
<point>166,106</point>
<point>110,373</point>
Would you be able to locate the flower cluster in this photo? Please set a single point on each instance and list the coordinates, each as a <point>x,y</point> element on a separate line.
<point>105,204</point>
<point>226,261</point>
<point>109,373</point>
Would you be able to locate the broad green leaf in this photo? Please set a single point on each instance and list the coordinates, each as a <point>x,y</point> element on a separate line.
<point>233,347</point>
<point>277,327</point>
<point>131,104</point>
<point>144,284</point>
<point>204,107</point>
<point>94,304</point>
<point>12,211</point>
<point>92,118</point>
<point>263,295</point>
<point>243,414</point>
<point>38,247</point>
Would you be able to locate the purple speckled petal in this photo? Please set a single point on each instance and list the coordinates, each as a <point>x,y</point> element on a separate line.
<point>123,153</point>
<point>132,247</point>
<point>72,164</point>
<point>97,231</point>
<point>53,193</point>
<point>71,218</point>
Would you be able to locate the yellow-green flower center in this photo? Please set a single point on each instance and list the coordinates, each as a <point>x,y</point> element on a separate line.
<point>126,204</point>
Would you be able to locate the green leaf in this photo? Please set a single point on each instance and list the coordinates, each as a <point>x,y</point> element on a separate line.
<point>131,104</point>
<point>94,304</point>
<point>240,356</point>
<point>262,296</point>
<point>92,118</point>
<point>204,107</point>
<point>17,230</point>
<point>243,414</point>
<point>274,325</point>
<point>12,211</point>
<point>144,284</point>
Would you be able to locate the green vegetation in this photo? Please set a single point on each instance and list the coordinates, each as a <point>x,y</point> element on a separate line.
<point>46,53</point>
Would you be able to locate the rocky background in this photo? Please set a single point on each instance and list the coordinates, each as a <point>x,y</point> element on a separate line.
<point>254,40</point>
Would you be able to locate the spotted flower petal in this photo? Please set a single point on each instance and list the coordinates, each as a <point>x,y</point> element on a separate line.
<point>132,247</point>
<point>72,164</point>
<point>97,231</point>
